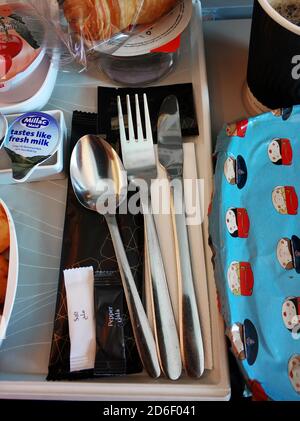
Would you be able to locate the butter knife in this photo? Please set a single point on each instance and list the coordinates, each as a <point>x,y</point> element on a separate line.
<point>170,153</point>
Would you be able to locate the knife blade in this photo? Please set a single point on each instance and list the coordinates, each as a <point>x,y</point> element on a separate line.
<point>170,153</point>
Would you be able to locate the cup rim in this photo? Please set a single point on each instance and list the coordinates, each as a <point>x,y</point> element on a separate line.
<point>278,18</point>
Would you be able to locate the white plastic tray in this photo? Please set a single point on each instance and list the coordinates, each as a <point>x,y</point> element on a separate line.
<point>24,356</point>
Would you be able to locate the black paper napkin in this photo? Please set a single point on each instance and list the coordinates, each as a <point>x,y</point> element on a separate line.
<point>108,111</point>
<point>87,242</point>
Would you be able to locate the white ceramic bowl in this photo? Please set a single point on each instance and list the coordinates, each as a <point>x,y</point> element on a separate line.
<point>12,280</point>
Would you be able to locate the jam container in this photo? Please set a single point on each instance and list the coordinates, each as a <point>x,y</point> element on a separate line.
<point>149,55</point>
<point>22,43</point>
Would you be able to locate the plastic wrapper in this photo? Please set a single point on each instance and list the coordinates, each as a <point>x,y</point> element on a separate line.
<point>88,28</point>
<point>255,237</point>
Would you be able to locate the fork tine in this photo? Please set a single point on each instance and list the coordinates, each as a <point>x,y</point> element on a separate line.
<point>130,122</point>
<point>140,134</point>
<point>121,122</point>
<point>147,120</point>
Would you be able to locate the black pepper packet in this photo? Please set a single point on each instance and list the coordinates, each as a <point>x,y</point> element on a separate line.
<point>110,321</point>
<point>107,100</point>
<point>86,242</point>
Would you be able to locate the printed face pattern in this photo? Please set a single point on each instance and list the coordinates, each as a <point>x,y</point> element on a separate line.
<point>251,341</point>
<point>235,171</point>
<point>274,151</point>
<point>257,390</point>
<point>236,333</point>
<point>277,112</point>
<point>231,221</point>
<point>284,254</point>
<point>289,314</point>
<point>233,277</point>
<point>280,151</point>
<point>294,372</point>
<point>229,170</point>
<point>237,129</point>
<point>285,200</point>
<point>279,201</point>
<point>285,113</point>
<point>231,130</point>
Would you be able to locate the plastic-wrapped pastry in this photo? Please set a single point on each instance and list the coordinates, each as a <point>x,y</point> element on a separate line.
<point>3,278</point>
<point>4,231</point>
<point>97,20</point>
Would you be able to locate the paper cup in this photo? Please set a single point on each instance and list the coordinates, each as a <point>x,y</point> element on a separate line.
<point>273,77</point>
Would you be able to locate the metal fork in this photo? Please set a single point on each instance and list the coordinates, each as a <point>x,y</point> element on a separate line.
<point>140,163</point>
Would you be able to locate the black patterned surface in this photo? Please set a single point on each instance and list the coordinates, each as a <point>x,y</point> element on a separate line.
<point>107,97</point>
<point>86,242</point>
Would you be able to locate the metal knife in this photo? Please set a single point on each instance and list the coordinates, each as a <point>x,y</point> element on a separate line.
<point>170,153</point>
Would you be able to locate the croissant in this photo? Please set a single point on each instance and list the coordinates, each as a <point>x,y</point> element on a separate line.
<point>97,20</point>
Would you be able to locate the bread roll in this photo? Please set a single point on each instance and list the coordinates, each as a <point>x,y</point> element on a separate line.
<point>4,230</point>
<point>96,20</point>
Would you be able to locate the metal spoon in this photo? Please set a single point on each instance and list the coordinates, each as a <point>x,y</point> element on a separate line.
<point>100,184</point>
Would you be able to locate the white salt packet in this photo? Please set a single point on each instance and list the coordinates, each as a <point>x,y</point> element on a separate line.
<point>79,285</point>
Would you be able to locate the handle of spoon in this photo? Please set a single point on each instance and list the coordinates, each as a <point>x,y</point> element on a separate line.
<point>142,332</point>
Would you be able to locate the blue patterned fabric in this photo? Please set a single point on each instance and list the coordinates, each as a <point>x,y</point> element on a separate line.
<point>255,231</point>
